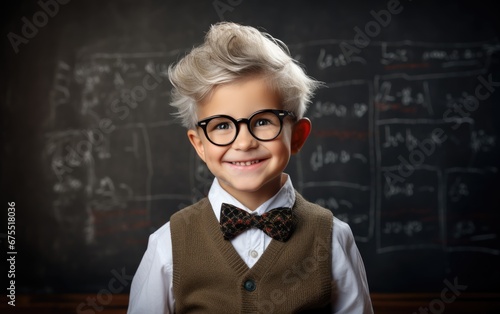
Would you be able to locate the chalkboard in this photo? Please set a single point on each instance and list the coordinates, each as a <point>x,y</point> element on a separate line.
<point>404,144</point>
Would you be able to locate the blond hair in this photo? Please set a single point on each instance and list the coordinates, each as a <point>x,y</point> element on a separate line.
<point>231,52</point>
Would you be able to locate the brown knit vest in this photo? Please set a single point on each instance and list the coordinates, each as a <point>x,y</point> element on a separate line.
<point>210,277</point>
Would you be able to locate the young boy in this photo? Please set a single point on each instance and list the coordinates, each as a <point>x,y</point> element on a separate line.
<point>254,245</point>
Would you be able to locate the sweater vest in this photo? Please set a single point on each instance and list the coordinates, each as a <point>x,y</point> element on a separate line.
<point>292,277</point>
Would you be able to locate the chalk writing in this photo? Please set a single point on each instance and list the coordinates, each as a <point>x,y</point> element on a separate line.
<point>408,228</point>
<point>322,109</point>
<point>326,60</point>
<point>320,159</point>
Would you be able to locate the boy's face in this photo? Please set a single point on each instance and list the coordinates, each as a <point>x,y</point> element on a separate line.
<point>248,169</point>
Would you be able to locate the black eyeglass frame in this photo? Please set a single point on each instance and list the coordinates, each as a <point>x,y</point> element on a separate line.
<point>281,114</point>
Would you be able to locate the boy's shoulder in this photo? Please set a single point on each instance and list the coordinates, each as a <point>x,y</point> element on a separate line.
<point>310,208</point>
<point>325,217</point>
<point>187,214</point>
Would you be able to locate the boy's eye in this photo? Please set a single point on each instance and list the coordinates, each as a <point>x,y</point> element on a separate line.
<point>222,126</point>
<point>262,122</point>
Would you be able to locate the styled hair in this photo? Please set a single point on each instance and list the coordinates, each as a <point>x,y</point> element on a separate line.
<point>231,52</point>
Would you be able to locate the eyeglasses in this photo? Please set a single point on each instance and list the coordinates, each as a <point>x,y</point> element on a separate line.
<point>264,125</point>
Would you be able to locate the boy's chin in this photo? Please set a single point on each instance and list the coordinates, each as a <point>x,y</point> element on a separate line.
<point>243,187</point>
<point>248,187</point>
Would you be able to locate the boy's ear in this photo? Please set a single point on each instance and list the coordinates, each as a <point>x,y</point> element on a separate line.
<point>195,140</point>
<point>300,132</point>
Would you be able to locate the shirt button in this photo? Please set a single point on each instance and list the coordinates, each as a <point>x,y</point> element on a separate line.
<point>254,253</point>
<point>249,285</point>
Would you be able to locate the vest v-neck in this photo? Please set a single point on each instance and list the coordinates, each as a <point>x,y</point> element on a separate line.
<point>228,251</point>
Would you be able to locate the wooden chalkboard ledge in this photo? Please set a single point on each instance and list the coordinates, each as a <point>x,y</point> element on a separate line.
<point>484,303</point>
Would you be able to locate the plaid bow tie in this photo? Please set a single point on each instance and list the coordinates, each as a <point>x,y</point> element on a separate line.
<point>277,223</point>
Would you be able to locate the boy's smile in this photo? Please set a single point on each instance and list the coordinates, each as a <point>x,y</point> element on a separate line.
<point>249,169</point>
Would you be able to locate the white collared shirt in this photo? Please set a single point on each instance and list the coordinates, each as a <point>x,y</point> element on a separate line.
<point>152,287</point>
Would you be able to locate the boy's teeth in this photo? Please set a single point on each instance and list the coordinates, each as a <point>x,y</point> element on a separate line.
<point>245,163</point>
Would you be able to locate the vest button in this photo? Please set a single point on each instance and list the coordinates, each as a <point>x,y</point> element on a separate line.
<point>254,254</point>
<point>249,285</point>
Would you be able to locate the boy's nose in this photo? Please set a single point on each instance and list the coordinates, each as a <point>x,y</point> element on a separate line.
<point>244,140</point>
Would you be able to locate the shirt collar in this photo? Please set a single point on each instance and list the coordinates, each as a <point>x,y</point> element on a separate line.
<point>284,198</point>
